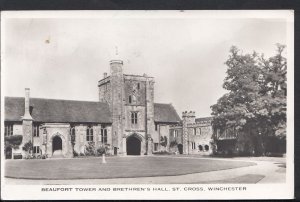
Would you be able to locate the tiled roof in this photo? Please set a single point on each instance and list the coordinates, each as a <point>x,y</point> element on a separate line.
<point>69,111</point>
<point>165,113</point>
<point>61,111</point>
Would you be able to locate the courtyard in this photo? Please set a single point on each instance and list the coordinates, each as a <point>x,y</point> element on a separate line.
<point>144,169</point>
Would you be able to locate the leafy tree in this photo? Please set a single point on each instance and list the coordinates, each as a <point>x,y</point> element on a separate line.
<point>255,105</point>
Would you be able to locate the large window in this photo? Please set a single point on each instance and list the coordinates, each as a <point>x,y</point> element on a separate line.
<point>134,117</point>
<point>36,130</point>
<point>8,130</point>
<point>36,149</point>
<point>89,134</point>
<point>104,135</point>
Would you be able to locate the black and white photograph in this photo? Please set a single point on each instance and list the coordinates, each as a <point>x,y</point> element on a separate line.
<point>147,104</point>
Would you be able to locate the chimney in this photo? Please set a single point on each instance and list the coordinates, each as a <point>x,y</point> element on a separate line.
<point>104,75</point>
<point>27,115</point>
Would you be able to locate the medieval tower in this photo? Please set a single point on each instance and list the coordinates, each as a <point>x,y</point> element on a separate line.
<point>131,102</point>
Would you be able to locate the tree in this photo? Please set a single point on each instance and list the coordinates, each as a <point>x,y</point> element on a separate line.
<point>255,105</point>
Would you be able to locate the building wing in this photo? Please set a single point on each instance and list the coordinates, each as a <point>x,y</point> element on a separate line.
<point>60,111</point>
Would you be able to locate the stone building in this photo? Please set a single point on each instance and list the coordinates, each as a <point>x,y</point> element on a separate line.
<point>193,135</point>
<point>125,119</point>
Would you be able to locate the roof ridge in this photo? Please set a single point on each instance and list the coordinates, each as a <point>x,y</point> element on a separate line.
<point>36,98</point>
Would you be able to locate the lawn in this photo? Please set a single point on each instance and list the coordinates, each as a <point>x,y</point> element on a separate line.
<point>116,167</point>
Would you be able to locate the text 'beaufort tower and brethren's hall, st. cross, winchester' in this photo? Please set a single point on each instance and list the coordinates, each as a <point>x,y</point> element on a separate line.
<point>125,120</point>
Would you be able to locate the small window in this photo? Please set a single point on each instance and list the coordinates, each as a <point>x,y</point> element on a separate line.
<point>89,134</point>
<point>138,86</point>
<point>36,149</point>
<point>200,148</point>
<point>36,131</point>
<point>156,126</point>
<point>155,146</point>
<point>134,117</point>
<point>129,99</point>
<point>104,135</point>
<point>8,130</point>
<point>195,131</point>
<point>206,147</point>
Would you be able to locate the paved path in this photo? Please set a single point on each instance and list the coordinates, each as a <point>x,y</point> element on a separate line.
<point>264,171</point>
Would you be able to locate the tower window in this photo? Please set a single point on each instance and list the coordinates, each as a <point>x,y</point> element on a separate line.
<point>134,117</point>
<point>129,99</point>
<point>89,134</point>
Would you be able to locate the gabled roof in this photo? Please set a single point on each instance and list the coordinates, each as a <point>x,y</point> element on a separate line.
<point>61,111</point>
<point>165,113</point>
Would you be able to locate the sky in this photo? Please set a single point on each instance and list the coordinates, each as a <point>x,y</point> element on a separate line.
<point>63,57</point>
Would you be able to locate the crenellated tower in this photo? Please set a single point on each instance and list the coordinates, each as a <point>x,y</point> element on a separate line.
<point>187,118</point>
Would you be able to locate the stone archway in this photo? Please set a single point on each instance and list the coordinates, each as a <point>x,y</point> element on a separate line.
<point>133,145</point>
<point>56,146</point>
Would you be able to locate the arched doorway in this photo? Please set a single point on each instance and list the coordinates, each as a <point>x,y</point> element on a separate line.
<point>8,153</point>
<point>133,145</point>
<point>56,144</point>
<point>180,148</point>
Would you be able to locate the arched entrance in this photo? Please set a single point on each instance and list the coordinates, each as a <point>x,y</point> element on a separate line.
<point>180,148</point>
<point>133,145</point>
<point>8,153</point>
<point>56,144</point>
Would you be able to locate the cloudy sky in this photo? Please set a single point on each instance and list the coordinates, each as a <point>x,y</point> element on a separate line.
<point>63,57</point>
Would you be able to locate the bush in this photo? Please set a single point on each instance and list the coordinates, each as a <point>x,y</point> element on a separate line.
<point>90,149</point>
<point>101,150</point>
<point>13,141</point>
<point>28,147</point>
<point>75,154</point>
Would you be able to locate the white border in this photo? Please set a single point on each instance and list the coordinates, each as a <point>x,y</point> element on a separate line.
<point>256,191</point>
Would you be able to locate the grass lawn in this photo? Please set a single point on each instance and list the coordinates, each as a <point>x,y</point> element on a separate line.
<point>116,167</point>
